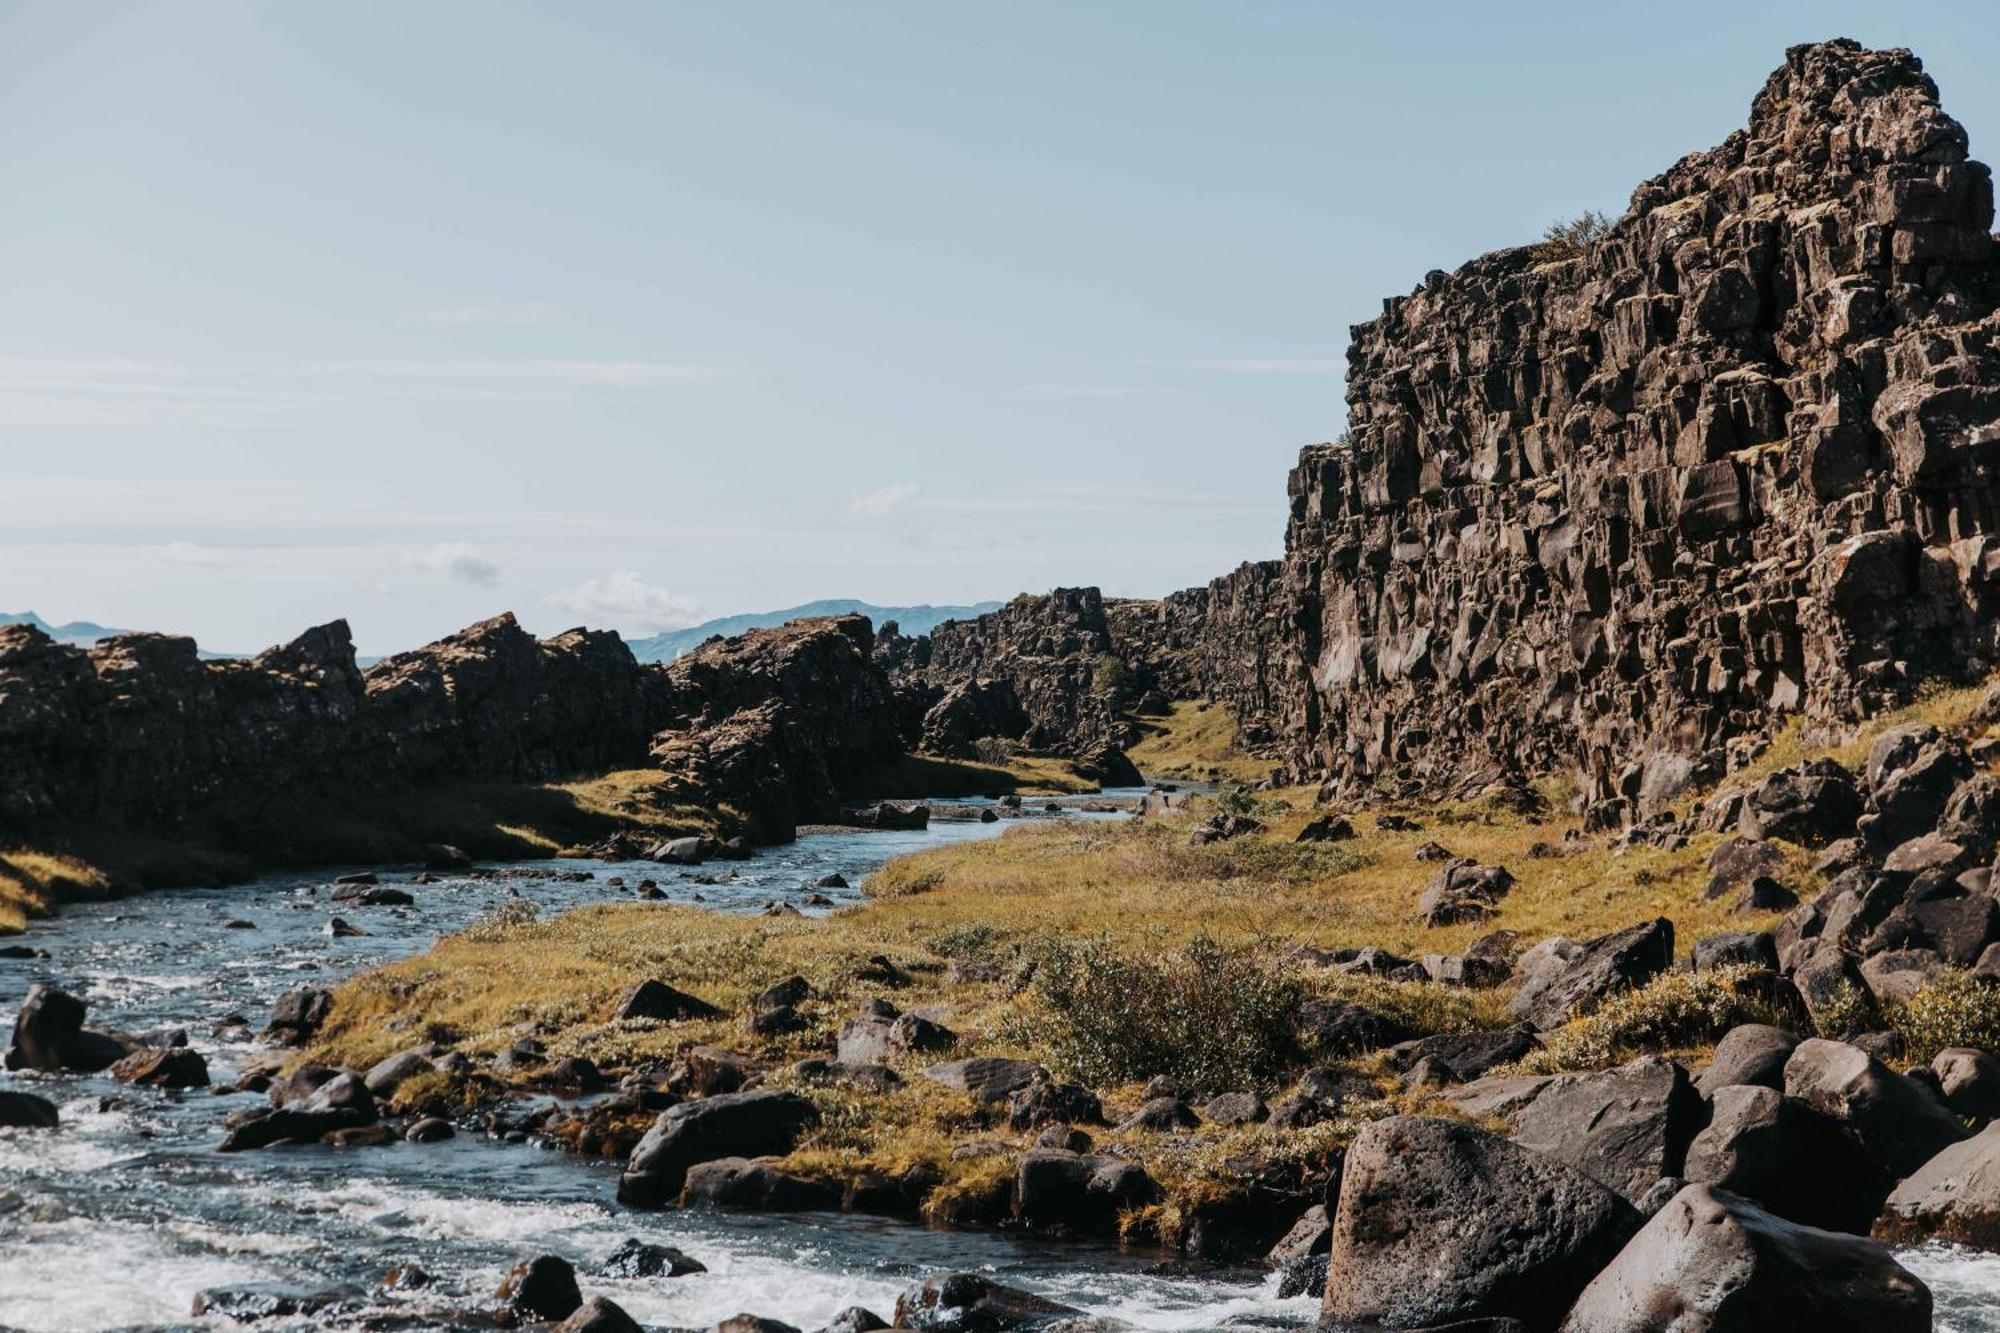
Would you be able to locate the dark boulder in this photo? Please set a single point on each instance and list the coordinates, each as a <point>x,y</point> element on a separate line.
<point>969,1303</point>
<point>543,1286</point>
<point>1609,965</point>
<point>297,1016</point>
<point>636,1258</point>
<point>1625,1128</point>
<point>740,1182</point>
<point>162,1067</point>
<point>1968,1079</point>
<point>1054,1103</point>
<point>736,1124</point>
<point>1748,1053</point>
<point>600,1314</point>
<point>1465,1055</point>
<point>658,1001</point>
<point>1895,1121</point>
<point>1810,804</point>
<point>1463,890</point>
<point>1954,1197</point>
<point>1078,1194</point>
<point>1341,1027</point>
<point>47,1027</point>
<point>1786,1158</point>
<point>1709,1260</point>
<point>1438,1220</point>
<point>24,1110</point>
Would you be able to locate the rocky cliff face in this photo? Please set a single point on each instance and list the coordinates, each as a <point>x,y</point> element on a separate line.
<point>1614,510</point>
<point>137,732</point>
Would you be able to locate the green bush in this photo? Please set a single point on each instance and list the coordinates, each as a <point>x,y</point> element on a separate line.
<point>1567,240</point>
<point>1212,1015</point>
<point>1678,1011</point>
<point>1956,1009</point>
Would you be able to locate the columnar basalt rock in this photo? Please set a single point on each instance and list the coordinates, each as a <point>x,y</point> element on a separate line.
<point>1733,461</point>
<point>140,732</point>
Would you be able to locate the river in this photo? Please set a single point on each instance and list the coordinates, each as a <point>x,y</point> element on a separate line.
<point>116,1220</point>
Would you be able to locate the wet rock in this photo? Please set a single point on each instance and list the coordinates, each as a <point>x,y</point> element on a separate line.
<point>738,1182</point>
<point>599,1314</point>
<point>1624,1128</point>
<point>969,1303</point>
<point>49,1023</point>
<point>656,1000</point>
<point>170,1067</point>
<point>1896,1122</point>
<point>430,1129</point>
<point>737,1124</point>
<point>1438,1220</point>
<point>750,1323</point>
<point>1623,960</point>
<point>270,1300</point>
<point>391,1072</point>
<point>1953,1197</point>
<point>1721,1263</point>
<point>406,1277</point>
<point>340,928</point>
<point>372,895</point>
<point>1303,1276</point>
<point>637,1258</point>
<point>24,1110</point>
<point>543,1286</point>
<point>855,1319</point>
<point>1068,1191</point>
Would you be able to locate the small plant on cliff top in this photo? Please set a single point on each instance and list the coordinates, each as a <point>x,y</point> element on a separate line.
<point>1567,240</point>
<point>1212,1015</point>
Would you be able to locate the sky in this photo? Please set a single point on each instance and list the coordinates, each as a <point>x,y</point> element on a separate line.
<point>636,314</point>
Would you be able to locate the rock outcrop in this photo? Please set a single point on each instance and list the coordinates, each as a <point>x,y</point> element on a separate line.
<point>140,732</point>
<point>1614,510</point>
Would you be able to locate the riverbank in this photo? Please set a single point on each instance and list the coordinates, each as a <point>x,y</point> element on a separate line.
<point>1219,996</point>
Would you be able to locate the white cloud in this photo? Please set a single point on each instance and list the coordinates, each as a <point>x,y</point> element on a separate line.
<point>626,602</point>
<point>882,501</point>
<point>476,316</point>
<point>459,560</point>
<point>187,554</point>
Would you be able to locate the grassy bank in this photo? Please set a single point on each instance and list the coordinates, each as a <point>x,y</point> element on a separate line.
<point>1195,741</point>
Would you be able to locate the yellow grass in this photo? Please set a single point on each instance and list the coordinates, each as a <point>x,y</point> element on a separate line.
<point>1195,741</point>
<point>33,883</point>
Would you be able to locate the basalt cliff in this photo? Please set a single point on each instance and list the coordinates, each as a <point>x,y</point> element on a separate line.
<point>1623,509</point>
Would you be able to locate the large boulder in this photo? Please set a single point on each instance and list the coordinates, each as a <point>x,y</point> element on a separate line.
<point>1625,1128</point>
<point>1624,960</point>
<point>1714,1262</point>
<point>1969,1081</point>
<point>1057,1190</point>
<point>297,1015</point>
<point>543,1287</point>
<point>1439,1220</point>
<point>24,1110</point>
<point>1897,1123</point>
<point>1811,804</point>
<point>1786,1158</point>
<point>986,1079</point>
<point>656,1000</point>
<point>47,1025</point>
<point>740,1182</point>
<point>1748,1053</point>
<point>163,1067</point>
<point>1955,1196</point>
<point>736,1124</point>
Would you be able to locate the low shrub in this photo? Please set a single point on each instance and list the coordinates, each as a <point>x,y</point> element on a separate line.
<point>1956,1009</point>
<point>1210,1014</point>
<point>1567,240</point>
<point>1679,1011</point>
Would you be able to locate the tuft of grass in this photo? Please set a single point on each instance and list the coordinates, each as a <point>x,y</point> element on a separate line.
<point>1216,1016</point>
<point>1956,1009</point>
<point>1678,1012</point>
<point>32,884</point>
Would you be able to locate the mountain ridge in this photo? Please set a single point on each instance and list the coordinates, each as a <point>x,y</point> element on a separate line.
<point>913,620</point>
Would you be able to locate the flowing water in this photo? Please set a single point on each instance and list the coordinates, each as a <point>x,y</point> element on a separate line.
<point>116,1220</point>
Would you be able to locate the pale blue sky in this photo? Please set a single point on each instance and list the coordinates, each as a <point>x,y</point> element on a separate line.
<point>631,313</point>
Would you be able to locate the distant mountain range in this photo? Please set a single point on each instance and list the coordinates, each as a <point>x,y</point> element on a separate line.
<point>78,633</point>
<point>658,648</point>
<point>911,619</point>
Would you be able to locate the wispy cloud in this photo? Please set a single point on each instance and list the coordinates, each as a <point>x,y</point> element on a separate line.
<point>461,561</point>
<point>882,501</point>
<point>1085,391</point>
<point>625,601</point>
<point>110,391</point>
<point>476,316</point>
<point>1263,365</point>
